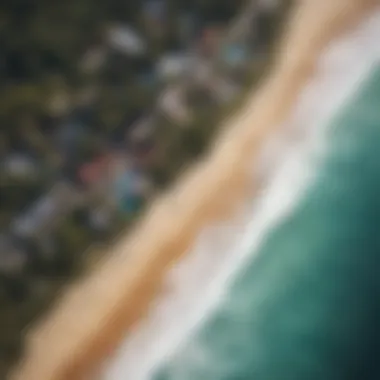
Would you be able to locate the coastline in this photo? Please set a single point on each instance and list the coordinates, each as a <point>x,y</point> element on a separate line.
<point>87,324</point>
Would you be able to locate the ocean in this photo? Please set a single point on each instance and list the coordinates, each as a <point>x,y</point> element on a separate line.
<point>307,306</point>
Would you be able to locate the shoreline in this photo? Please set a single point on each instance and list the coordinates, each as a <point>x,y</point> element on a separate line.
<point>95,315</point>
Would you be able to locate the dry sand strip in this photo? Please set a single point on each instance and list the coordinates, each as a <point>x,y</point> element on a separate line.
<point>96,314</point>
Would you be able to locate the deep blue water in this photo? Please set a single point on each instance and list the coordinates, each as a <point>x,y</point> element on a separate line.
<point>308,306</point>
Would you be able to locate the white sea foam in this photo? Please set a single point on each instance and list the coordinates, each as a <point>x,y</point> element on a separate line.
<point>197,285</point>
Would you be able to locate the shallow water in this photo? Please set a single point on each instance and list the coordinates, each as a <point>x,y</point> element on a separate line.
<point>305,307</point>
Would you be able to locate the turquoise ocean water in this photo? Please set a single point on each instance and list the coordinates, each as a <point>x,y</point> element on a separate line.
<point>308,306</point>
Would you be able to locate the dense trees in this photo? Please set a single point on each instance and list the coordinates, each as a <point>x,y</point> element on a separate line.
<point>42,47</point>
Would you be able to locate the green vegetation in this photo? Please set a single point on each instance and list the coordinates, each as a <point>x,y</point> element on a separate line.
<point>41,43</point>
